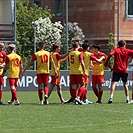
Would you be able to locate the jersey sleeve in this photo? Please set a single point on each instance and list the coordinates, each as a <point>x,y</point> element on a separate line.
<point>4,55</point>
<point>92,57</point>
<point>80,49</point>
<point>131,53</point>
<point>80,56</point>
<point>21,61</point>
<point>58,56</point>
<point>33,58</point>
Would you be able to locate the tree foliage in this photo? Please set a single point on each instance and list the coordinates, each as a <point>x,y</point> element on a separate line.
<point>111,47</point>
<point>25,15</point>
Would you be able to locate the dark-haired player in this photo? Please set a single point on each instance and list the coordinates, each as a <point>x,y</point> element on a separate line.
<point>57,58</point>
<point>87,56</point>
<point>98,72</point>
<point>119,69</point>
<point>43,59</point>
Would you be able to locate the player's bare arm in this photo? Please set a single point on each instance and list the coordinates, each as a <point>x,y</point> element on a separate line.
<point>28,65</point>
<point>101,59</point>
<point>53,64</point>
<point>83,66</point>
<point>21,71</point>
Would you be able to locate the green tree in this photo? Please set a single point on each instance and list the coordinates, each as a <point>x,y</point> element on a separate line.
<point>25,15</point>
<point>111,47</point>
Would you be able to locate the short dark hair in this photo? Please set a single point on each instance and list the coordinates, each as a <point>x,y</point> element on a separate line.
<point>121,43</point>
<point>75,44</point>
<point>85,45</point>
<point>41,44</point>
<point>96,46</point>
<point>56,46</point>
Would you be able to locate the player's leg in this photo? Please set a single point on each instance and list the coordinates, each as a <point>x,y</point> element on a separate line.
<point>100,93</point>
<point>94,85</point>
<point>100,80</point>
<point>40,93</point>
<point>73,92</point>
<point>13,82</point>
<point>124,77</point>
<point>115,78</point>
<point>52,85</point>
<point>1,95</point>
<point>126,91</point>
<point>112,89</point>
<point>80,80</point>
<point>1,82</point>
<point>59,91</point>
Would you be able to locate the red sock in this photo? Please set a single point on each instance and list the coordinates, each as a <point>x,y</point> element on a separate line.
<point>0,95</point>
<point>132,96</point>
<point>14,92</point>
<point>74,93</point>
<point>100,95</point>
<point>96,92</point>
<point>40,94</point>
<point>46,91</point>
<point>82,97</point>
<point>81,91</point>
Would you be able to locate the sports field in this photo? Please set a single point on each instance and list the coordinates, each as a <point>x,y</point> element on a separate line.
<point>29,117</point>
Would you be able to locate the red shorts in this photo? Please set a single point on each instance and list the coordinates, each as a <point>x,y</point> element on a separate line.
<point>97,79</point>
<point>76,79</point>
<point>13,82</point>
<point>55,80</point>
<point>42,78</point>
<point>86,79</point>
<point>1,80</point>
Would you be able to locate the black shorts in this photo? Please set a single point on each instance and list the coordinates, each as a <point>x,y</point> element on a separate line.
<point>116,77</point>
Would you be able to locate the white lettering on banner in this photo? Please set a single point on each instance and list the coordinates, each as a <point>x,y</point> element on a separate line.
<point>62,81</point>
<point>107,83</point>
<point>5,79</point>
<point>29,80</point>
<point>35,81</point>
<point>120,83</point>
<point>68,81</point>
<point>21,82</point>
<point>49,79</point>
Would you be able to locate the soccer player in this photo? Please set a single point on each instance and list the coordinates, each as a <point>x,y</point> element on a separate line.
<point>98,72</point>
<point>88,57</point>
<point>57,58</point>
<point>77,70</point>
<point>43,59</point>
<point>80,49</point>
<point>119,69</point>
<point>2,63</point>
<point>14,67</point>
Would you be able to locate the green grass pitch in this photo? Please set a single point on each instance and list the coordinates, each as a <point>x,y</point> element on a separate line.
<point>29,117</point>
